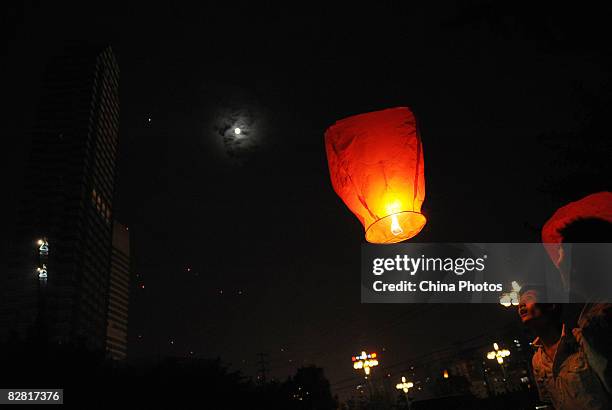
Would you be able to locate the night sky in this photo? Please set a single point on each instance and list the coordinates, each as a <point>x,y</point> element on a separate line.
<point>241,244</point>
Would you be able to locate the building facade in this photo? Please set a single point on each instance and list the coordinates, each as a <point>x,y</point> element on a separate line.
<point>61,293</point>
<point>119,294</point>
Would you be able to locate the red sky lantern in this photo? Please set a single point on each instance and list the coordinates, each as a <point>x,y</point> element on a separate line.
<point>598,205</point>
<point>377,168</point>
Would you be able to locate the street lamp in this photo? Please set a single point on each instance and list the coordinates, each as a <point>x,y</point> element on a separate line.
<point>404,385</point>
<point>365,361</point>
<point>511,298</point>
<point>498,354</point>
<point>42,246</point>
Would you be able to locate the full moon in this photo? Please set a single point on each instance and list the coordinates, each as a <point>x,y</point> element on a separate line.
<point>237,125</point>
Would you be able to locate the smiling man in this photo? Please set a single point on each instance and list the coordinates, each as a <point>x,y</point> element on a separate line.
<point>560,367</point>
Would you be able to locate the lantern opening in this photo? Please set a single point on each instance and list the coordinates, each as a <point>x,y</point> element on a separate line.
<point>396,227</point>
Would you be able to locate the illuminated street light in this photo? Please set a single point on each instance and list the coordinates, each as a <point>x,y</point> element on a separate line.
<point>511,298</point>
<point>404,385</point>
<point>498,354</point>
<point>43,257</point>
<point>42,272</point>
<point>237,131</point>
<point>365,361</point>
<point>43,247</point>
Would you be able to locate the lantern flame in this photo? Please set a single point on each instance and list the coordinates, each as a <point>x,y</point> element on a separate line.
<point>396,229</point>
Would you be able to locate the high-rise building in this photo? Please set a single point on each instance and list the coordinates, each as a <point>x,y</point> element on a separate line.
<point>119,292</point>
<point>57,284</point>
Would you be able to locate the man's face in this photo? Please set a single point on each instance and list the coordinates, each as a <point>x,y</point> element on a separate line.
<point>528,309</point>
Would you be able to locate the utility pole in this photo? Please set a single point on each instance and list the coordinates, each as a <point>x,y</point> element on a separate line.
<point>263,367</point>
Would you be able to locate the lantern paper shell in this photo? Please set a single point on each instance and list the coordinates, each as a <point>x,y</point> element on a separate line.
<point>376,166</point>
<point>598,205</point>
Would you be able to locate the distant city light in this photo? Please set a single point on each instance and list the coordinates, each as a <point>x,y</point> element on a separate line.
<point>498,354</point>
<point>511,298</point>
<point>404,385</point>
<point>42,272</point>
<point>365,361</point>
<point>43,247</point>
<point>43,257</point>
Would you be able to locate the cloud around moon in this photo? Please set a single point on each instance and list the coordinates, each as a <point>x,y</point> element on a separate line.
<point>235,109</point>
